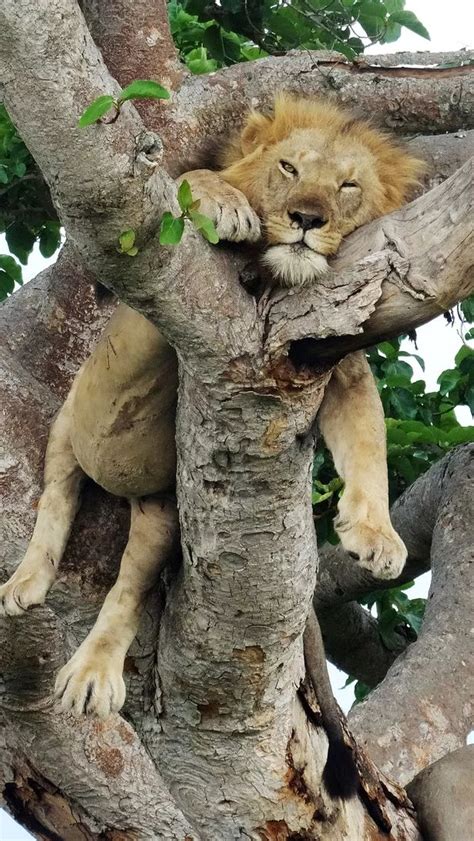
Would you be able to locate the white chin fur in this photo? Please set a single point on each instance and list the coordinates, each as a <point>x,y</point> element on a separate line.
<point>294,268</point>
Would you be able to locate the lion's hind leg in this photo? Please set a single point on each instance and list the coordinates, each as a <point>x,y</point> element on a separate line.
<point>352,422</point>
<point>57,508</point>
<point>92,682</point>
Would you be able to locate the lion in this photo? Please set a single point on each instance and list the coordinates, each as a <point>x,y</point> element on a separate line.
<point>296,181</point>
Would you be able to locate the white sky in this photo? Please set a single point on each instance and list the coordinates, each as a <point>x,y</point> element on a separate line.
<point>451,26</point>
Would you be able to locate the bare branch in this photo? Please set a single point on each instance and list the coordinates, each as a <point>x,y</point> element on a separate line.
<point>443,153</point>
<point>424,703</point>
<point>421,58</point>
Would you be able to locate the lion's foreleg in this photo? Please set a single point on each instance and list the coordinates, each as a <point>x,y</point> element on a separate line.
<point>92,682</point>
<point>352,422</point>
<point>57,508</point>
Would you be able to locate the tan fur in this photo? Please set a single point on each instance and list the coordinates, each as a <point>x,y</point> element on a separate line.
<point>117,424</point>
<point>327,148</point>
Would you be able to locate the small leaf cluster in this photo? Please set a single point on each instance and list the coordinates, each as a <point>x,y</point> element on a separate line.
<point>138,89</point>
<point>127,243</point>
<point>399,619</point>
<point>27,214</point>
<point>210,35</point>
<point>172,227</point>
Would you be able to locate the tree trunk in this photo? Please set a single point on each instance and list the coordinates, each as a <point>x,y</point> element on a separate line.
<point>220,737</point>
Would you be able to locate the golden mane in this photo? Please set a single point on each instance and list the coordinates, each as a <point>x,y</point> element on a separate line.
<point>398,170</point>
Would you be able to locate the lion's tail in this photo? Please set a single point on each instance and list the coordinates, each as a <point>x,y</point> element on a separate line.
<point>340,775</point>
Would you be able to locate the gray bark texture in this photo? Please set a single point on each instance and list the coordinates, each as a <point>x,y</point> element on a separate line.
<point>219,739</point>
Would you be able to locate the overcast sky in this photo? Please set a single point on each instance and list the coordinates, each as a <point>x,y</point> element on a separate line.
<point>451,26</point>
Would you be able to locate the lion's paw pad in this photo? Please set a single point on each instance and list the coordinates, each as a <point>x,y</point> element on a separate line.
<point>379,550</point>
<point>91,684</point>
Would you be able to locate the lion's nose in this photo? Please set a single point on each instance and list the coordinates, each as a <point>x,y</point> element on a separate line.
<point>307,221</point>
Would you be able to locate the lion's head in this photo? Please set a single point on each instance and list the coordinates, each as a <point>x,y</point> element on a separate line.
<point>313,173</point>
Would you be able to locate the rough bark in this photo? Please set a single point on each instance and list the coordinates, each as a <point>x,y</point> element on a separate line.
<point>222,742</point>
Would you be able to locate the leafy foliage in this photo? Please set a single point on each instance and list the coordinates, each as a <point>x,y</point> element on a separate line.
<point>210,35</point>
<point>26,211</point>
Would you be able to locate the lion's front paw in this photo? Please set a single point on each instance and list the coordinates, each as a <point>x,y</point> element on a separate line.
<point>377,547</point>
<point>29,585</point>
<point>91,683</point>
<point>228,207</point>
<point>237,223</point>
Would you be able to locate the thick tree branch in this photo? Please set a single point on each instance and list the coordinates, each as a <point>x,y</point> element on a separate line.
<point>430,708</point>
<point>135,40</point>
<point>109,774</point>
<point>420,58</point>
<point>405,100</point>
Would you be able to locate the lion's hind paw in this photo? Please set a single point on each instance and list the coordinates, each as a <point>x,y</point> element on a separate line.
<point>91,683</point>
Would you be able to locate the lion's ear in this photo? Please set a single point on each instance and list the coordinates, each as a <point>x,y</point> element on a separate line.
<point>256,132</point>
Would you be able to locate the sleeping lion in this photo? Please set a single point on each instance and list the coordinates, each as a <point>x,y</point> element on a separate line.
<point>297,182</point>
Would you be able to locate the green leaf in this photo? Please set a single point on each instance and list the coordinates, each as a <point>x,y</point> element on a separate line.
<point>143,89</point>
<point>20,240</point>
<point>96,110</point>
<point>399,369</point>
<point>388,349</point>
<point>361,690</point>
<point>316,497</point>
<point>419,359</point>
<point>205,226</point>
<point>448,380</point>
<point>171,229</point>
<point>388,623</point>
<point>7,285</point>
<point>11,267</point>
<point>49,238</point>
<point>410,21</point>
<point>126,241</point>
<point>467,308</point>
<point>185,197</point>
<point>469,398</point>
<point>132,252</point>
<point>464,352</point>
<point>394,5</point>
